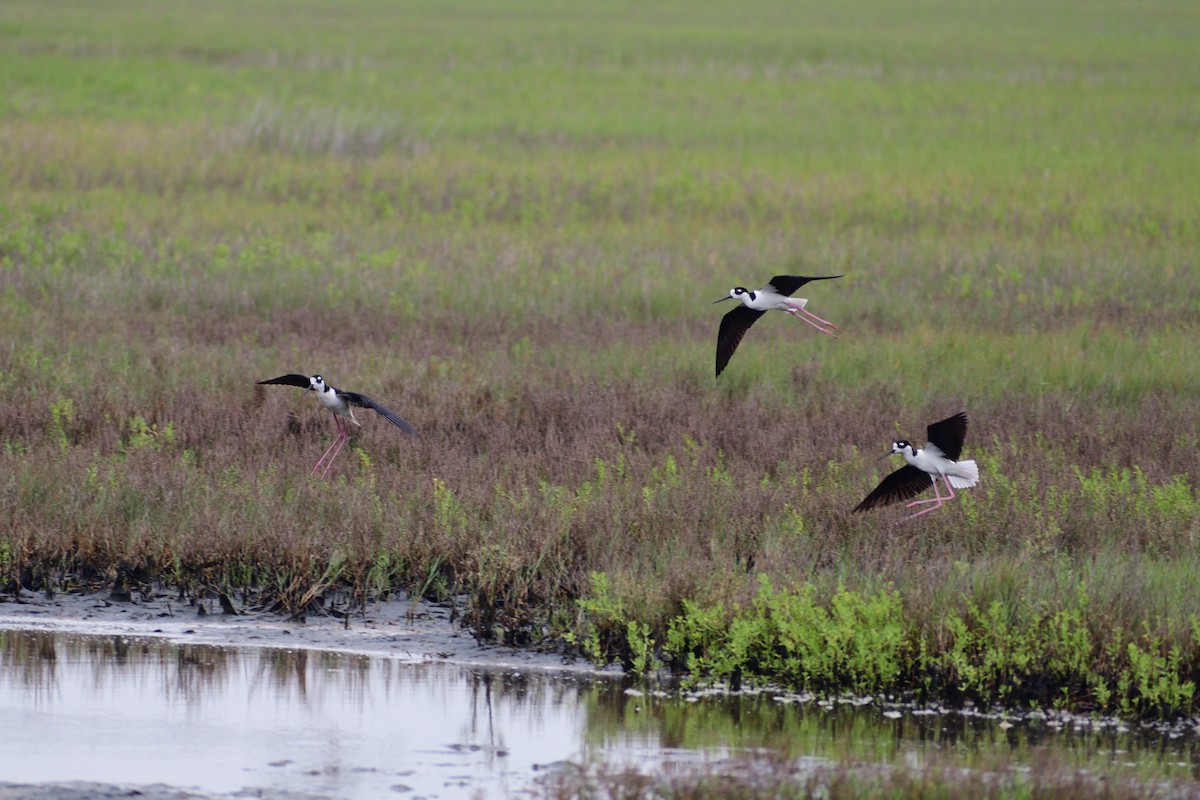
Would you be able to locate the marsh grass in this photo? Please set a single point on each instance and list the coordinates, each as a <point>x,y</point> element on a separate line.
<point>511,231</point>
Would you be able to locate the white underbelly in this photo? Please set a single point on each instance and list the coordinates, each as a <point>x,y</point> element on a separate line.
<point>333,403</point>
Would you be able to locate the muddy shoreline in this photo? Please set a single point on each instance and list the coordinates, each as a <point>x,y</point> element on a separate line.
<point>409,632</point>
<point>412,632</point>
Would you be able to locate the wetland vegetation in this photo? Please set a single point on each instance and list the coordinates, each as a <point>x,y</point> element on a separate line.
<point>509,223</point>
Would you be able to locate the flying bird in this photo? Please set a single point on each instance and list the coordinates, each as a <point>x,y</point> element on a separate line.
<point>775,296</point>
<point>937,459</point>
<point>342,405</point>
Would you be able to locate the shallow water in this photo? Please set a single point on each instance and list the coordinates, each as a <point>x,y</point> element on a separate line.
<point>114,709</point>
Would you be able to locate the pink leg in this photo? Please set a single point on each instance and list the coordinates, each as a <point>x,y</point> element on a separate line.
<point>334,448</point>
<point>818,319</point>
<point>800,316</point>
<point>938,499</point>
<point>341,443</point>
<point>321,461</point>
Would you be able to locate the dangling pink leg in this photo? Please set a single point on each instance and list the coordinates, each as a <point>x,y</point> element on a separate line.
<point>818,319</point>
<point>341,443</point>
<point>334,448</point>
<point>324,455</point>
<point>798,314</point>
<point>345,430</point>
<point>938,499</point>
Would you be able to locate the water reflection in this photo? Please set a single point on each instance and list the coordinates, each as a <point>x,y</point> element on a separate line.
<point>845,733</point>
<point>125,710</point>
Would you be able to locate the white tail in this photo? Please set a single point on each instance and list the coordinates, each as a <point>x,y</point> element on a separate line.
<point>965,475</point>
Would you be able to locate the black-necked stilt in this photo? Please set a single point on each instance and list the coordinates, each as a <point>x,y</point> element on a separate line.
<point>937,459</point>
<point>775,296</point>
<point>340,403</point>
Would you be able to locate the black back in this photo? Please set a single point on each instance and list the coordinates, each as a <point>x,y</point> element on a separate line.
<point>948,435</point>
<point>786,285</point>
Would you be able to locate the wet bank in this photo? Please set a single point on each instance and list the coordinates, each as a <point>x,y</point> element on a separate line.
<point>91,713</point>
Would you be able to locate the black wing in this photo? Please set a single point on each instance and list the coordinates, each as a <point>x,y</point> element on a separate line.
<point>948,435</point>
<point>303,381</point>
<point>362,401</point>
<point>906,482</point>
<point>733,327</point>
<point>787,284</point>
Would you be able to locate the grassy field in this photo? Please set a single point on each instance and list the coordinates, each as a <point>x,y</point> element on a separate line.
<point>509,223</point>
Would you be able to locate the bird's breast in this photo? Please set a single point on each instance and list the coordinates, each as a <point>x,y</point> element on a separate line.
<point>330,400</point>
<point>921,460</point>
<point>928,462</point>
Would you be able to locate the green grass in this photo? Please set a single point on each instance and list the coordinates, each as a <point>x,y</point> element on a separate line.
<point>198,198</point>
